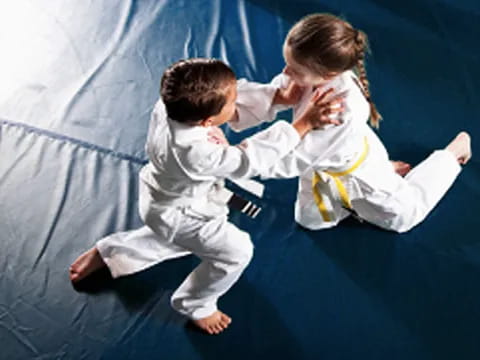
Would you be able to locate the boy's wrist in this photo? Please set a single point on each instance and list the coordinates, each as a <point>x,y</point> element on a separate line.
<point>277,97</point>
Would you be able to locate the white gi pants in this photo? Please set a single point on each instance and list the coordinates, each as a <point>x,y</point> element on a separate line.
<point>172,232</point>
<point>416,194</point>
<point>379,195</point>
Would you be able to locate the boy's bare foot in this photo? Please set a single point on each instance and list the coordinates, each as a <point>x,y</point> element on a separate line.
<point>400,167</point>
<point>214,324</point>
<point>461,148</point>
<point>86,264</point>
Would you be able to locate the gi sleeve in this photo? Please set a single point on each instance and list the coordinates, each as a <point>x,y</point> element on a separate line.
<point>292,165</point>
<point>254,103</point>
<point>247,159</point>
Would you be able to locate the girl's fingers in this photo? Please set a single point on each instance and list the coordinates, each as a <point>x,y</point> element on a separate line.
<point>335,122</point>
<point>333,110</point>
<point>336,102</point>
<point>318,96</point>
<point>326,120</point>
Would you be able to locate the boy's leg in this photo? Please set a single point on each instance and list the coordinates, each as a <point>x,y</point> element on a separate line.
<point>129,252</point>
<point>86,264</point>
<point>125,253</point>
<point>225,252</point>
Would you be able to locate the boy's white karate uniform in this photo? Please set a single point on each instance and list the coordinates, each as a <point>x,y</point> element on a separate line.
<point>377,193</point>
<point>180,203</point>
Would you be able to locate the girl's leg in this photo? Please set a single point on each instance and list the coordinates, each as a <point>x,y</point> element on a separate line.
<point>423,187</point>
<point>460,147</point>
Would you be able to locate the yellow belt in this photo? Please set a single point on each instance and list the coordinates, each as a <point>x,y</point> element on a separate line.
<point>342,191</point>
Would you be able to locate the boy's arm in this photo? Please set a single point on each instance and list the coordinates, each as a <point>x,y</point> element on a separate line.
<point>257,103</point>
<point>262,150</point>
<point>246,159</point>
<point>292,165</point>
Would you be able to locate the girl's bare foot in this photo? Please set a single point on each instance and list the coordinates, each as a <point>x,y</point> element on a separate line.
<point>214,324</point>
<point>401,168</point>
<point>86,264</point>
<point>461,148</point>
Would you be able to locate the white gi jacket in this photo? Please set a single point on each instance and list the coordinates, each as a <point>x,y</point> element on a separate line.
<point>185,167</point>
<point>181,205</point>
<point>377,194</point>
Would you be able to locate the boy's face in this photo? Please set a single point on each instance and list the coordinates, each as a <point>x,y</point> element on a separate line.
<point>301,74</point>
<point>228,110</point>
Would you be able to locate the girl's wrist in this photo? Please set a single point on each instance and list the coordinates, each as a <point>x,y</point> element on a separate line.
<point>302,126</point>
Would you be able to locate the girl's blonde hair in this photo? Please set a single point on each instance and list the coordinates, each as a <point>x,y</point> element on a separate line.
<point>327,44</point>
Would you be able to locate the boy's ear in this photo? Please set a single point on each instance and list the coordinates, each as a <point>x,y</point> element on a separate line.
<point>206,122</point>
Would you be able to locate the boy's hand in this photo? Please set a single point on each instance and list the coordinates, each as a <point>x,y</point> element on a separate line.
<point>321,110</point>
<point>290,95</point>
<point>216,135</point>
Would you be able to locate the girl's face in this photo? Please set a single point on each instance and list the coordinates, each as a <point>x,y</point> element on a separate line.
<point>301,74</point>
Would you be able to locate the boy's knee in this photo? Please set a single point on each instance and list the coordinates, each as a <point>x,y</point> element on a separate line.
<point>244,253</point>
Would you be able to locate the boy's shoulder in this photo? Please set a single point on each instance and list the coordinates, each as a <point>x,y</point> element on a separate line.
<point>193,146</point>
<point>181,134</point>
<point>191,143</point>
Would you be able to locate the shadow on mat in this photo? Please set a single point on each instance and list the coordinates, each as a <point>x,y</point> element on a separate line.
<point>434,295</point>
<point>256,332</point>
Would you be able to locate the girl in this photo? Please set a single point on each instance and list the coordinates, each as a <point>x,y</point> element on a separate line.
<point>345,169</point>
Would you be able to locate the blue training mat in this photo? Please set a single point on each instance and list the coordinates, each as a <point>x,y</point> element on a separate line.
<point>78,80</point>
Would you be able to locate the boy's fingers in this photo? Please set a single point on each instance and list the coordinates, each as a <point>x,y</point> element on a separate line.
<point>297,90</point>
<point>290,86</point>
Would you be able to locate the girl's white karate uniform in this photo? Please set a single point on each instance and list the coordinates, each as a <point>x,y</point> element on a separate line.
<point>377,193</point>
<point>182,207</point>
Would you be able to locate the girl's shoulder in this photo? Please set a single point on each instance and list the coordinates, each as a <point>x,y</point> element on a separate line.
<point>348,85</point>
<point>343,85</point>
<point>345,81</point>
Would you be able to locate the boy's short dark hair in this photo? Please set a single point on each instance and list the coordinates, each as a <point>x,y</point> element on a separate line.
<point>194,89</point>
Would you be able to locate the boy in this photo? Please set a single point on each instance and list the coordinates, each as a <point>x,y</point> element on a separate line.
<point>180,202</point>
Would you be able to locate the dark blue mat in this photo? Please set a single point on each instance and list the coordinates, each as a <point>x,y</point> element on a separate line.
<point>77,83</point>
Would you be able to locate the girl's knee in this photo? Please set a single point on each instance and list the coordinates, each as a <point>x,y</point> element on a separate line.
<point>402,224</point>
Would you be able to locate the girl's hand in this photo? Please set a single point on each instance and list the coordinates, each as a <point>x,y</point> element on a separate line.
<point>290,95</point>
<point>329,107</point>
